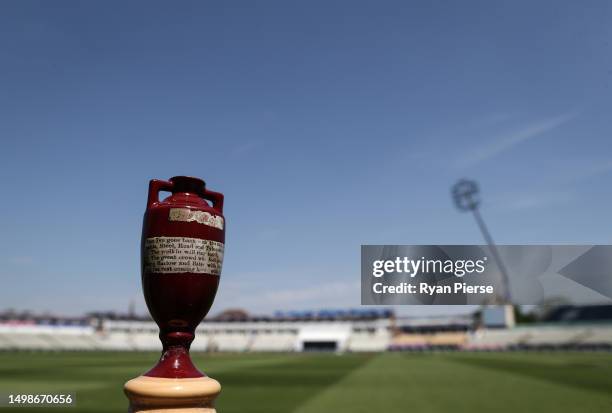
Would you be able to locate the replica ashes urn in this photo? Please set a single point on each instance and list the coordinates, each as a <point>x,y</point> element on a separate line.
<point>183,238</point>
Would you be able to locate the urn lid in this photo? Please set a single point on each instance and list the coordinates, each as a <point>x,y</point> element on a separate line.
<point>188,184</point>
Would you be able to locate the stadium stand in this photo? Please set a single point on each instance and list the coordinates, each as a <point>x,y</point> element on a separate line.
<point>567,327</point>
<point>563,328</point>
<point>585,313</point>
<point>430,333</point>
<point>494,339</point>
<point>274,342</point>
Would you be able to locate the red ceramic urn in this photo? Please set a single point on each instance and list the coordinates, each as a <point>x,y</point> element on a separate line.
<point>183,239</point>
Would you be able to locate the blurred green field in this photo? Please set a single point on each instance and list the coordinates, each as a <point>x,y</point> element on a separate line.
<point>308,383</point>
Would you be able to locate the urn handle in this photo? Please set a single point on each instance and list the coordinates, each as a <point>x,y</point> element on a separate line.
<point>155,186</point>
<point>216,198</point>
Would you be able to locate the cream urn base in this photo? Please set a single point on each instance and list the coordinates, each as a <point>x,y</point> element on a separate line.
<point>160,395</point>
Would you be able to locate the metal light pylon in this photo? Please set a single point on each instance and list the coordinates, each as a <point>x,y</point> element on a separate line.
<point>466,197</point>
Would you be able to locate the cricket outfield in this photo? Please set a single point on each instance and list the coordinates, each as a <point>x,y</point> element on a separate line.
<point>315,383</point>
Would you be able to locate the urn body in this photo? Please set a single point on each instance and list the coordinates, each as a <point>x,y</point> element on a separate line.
<point>183,239</point>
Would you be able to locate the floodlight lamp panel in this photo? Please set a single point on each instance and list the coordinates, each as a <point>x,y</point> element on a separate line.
<point>466,195</point>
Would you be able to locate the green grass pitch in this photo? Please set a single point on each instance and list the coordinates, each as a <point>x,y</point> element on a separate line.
<point>309,383</point>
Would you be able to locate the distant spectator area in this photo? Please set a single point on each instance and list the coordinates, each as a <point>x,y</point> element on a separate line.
<point>580,314</point>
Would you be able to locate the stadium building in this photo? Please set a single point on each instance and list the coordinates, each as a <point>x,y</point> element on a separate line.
<point>566,327</point>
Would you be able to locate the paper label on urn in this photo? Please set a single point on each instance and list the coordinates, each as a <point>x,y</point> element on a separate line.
<point>173,255</point>
<point>201,217</point>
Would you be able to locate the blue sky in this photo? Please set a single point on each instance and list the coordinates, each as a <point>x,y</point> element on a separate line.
<point>327,125</point>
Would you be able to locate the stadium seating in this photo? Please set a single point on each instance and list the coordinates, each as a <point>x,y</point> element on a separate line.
<point>229,341</point>
<point>595,338</point>
<point>542,337</point>
<point>408,342</point>
<point>201,343</point>
<point>361,342</point>
<point>278,342</point>
<point>145,341</point>
<point>431,341</point>
<point>113,341</point>
<point>359,332</point>
<point>496,339</point>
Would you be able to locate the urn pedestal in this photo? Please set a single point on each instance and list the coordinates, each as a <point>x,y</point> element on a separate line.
<point>160,395</point>
<point>183,240</point>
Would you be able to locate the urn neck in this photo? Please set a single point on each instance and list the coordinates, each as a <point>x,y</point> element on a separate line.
<point>176,338</point>
<point>175,361</point>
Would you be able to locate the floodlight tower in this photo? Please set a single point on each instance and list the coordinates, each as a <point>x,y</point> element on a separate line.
<point>466,197</point>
